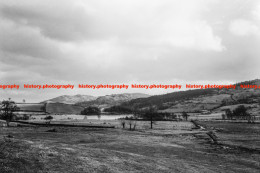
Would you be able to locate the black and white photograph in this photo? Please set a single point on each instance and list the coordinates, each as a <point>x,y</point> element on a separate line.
<point>129,86</point>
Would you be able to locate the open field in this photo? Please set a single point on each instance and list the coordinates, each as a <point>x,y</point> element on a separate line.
<point>176,148</point>
<point>140,125</point>
<point>236,133</point>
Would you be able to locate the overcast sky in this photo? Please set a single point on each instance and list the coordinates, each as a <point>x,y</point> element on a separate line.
<point>126,41</point>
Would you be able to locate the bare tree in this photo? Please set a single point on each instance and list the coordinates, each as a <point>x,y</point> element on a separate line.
<point>130,123</point>
<point>122,122</point>
<point>185,115</point>
<point>135,125</point>
<point>152,111</point>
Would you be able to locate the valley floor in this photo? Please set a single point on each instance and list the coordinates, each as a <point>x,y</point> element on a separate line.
<point>74,149</point>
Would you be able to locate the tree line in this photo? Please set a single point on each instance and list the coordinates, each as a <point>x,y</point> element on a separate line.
<point>239,113</point>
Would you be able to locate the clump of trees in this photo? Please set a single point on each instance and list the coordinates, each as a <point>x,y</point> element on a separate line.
<point>239,113</point>
<point>132,124</point>
<point>48,119</point>
<point>8,107</point>
<point>130,121</point>
<point>91,110</point>
<point>229,114</point>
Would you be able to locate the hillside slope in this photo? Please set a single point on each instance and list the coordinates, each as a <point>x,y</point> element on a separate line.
<point>199,100</point>
<point>61,108</point>
<point>53,108</point>
<point>114,99</point>
<point>167,100</point>
<point>71,99</point>
<point>33,107</point>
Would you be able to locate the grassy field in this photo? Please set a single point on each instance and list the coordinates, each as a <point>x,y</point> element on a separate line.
<point>170,147</point>
<point>236,133</point>
<point>139,124</point>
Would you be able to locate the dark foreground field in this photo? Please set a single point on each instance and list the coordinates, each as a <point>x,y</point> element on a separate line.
<point>75,149</point>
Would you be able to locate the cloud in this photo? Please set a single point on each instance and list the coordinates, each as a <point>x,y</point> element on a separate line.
<point>23,40</point>
<point>171,22</point>
<point>61,20</point>
<point>89,41</point>
<point>243,27</point>
<point>256,12</point>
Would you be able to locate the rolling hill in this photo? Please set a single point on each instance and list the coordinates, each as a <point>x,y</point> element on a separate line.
<point>195,100</point>
<point>66,104</point>
<point>67,99</point>
<point>166,100</point>
<point>62,108</point>
<point>33,107</point>
<point>52,108</point>
<point>111,100</point>
<point>198,100</point>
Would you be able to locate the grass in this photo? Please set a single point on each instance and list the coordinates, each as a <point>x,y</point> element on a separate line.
<point>175,148</point>
<point>236,134</point>
<point>18,156</point>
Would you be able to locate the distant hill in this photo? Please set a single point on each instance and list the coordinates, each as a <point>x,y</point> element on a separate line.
<point>114,99</point>
<point>195,100</point>
<point>33,107</point>
<point>70,99</point>
<point>66,104</point>
<point>62,108</point>
<point>53,108</point>
<point>167,100</point>
<point>198,100</point>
